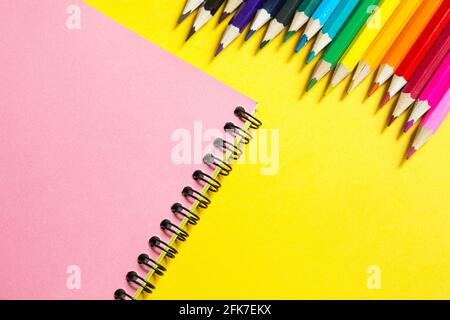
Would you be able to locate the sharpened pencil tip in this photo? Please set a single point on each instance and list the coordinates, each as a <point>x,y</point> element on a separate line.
<point>352,87</point>
<point>328,90</point>
<point>301,44</point>
<point>182,17</point>
<point>250,34</point>
<point>373,89</point>
<point>386,99</point>
<point>411,152</point>
<point>311,84</point>
<point>219,50</point>
<point>408,126</point>
<point>391,120</point>
<point>222,17</point>
<point>311,57</point>
<point>190,34</point>
<point>288,35</point>
<point>263,44</point>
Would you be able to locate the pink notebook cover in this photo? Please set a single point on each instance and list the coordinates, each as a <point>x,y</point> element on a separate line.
<point>86,128</point>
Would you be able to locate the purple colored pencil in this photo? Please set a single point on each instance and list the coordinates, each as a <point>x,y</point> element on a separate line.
<point>239,22</point>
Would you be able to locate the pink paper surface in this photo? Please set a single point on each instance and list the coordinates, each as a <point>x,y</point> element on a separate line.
<point>86,120</point>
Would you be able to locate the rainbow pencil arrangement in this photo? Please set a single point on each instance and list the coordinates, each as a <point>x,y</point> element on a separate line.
<point>406,42</point>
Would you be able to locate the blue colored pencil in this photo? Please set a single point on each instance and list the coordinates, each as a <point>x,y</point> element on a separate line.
<point>317,20</point>
<point>334,24</point>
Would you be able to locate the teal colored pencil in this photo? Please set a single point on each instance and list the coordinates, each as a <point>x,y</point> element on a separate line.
<point>333,26</point>
<point>302,15</point>
<point>318,19</point>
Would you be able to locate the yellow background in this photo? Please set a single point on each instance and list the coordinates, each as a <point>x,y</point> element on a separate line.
<point>343,198</point>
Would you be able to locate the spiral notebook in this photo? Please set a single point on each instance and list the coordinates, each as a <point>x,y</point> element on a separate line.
<point>102,135</point>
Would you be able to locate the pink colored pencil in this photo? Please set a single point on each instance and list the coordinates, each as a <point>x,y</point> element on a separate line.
<point>433,93</point>
<point>423,74</point>
<point>430,124</point>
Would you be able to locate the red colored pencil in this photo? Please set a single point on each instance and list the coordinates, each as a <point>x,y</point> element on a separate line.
<point>423,74</point>
<point>419,50</point>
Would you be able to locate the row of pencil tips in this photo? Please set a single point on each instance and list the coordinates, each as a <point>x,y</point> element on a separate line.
<point>279,14</point>
<point>407,41</point>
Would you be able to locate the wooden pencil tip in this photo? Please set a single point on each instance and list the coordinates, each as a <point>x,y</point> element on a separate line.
<point>411,152</point>
<point>391,120</point>
<point>182,17</point>
<point>386,99</point>
<point>249,34</point>
<point>408,126</point>
<point>222,17</point>
<point>263,44</point>
<point>288,35</point>
<point>190,34</point>
<point>352,87</point>
<point>329,89</point>
<point>219,50</point>
<point>373,89</point>
<point>311,57</point>
<point>311,84</point>
<point>301,44</point>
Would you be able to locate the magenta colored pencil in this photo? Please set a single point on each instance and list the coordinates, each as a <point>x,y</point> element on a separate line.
<point>431,123</point>
<point>422,74</point>
<point>432,94</point>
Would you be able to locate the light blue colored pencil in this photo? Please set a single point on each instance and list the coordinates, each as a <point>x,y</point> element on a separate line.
<point>317,21</point>
<point>332,27</point>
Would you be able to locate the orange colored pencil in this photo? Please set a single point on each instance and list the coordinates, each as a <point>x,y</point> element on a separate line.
<point>384,40</point>
<point>404,42</point>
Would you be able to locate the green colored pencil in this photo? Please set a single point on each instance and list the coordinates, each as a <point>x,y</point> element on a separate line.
<point>343,40</point>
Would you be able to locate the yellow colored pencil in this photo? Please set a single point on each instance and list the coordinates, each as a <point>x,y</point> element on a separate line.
<point>355,52</point>
<point>384,40</point>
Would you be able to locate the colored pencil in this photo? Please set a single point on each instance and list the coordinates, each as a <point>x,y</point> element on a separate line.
<point>430,124</point>
<point>205,13</point>
<point>317,20</point>
<point>432,94</point>
<point>404,42</point>
<point>302,14</point>
<point>190,6</point>
<point>383,42</point>
<point>358,48</point>
<point>422,74</point>
<point>239,22</point>
<point>431,34</point>
<point>345,37</point>
<point>230,7</point>
<point>332,27</point>
<point>280,21</point>
<point>269,10</point>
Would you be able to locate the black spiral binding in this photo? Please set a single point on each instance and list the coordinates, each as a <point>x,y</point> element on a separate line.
<point>196,197</point>
<point>214,184</point>
<point>238,131</point>
<point>133,277</point>
<point>214,162</point>
<point>145,260</point>
<point>178,208</point>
